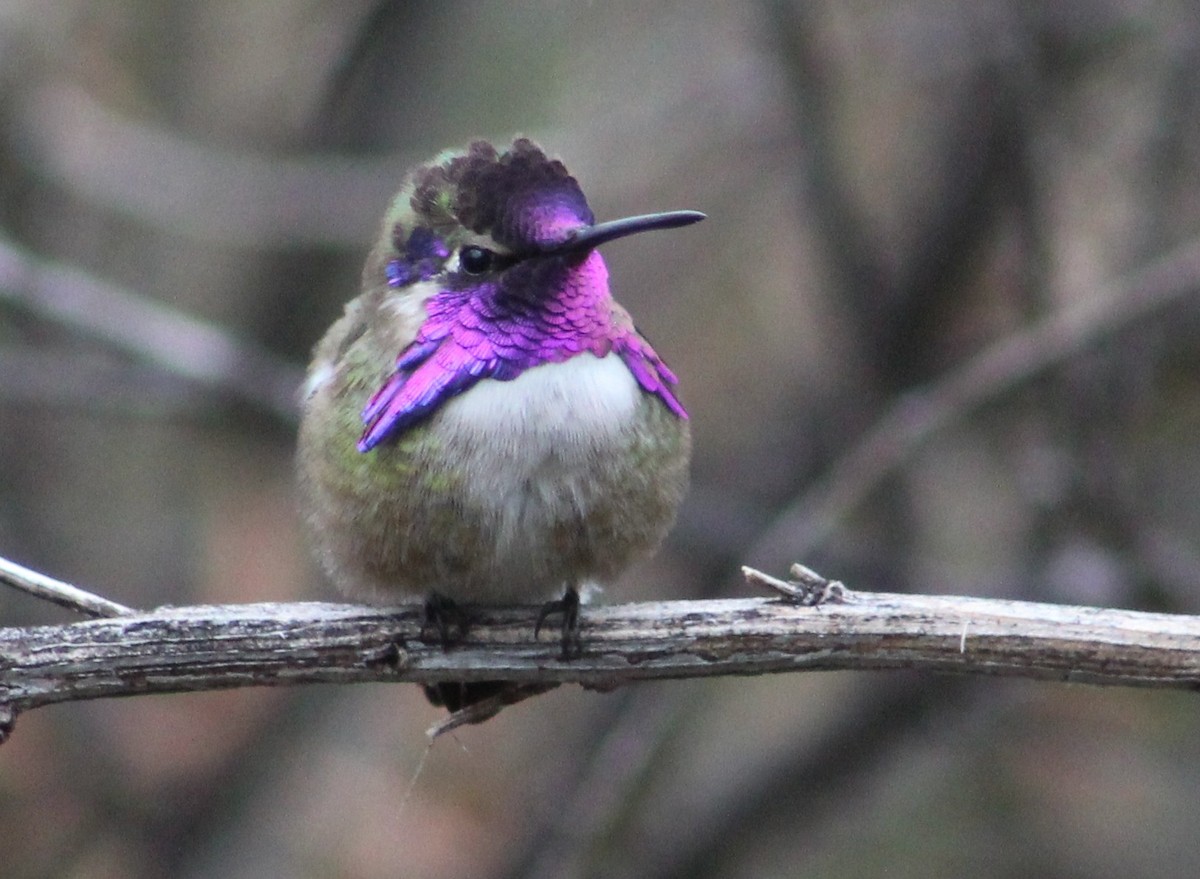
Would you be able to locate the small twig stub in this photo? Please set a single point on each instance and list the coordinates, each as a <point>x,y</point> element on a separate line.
<point>60,593</point>
<point>806,588</point>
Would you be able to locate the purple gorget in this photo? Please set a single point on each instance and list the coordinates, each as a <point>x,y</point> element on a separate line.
<point>498,328</point>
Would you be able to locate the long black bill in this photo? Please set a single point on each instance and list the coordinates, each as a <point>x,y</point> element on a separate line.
<point>592,237</point>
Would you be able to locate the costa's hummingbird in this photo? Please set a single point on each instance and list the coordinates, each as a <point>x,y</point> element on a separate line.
<point>484,424</point>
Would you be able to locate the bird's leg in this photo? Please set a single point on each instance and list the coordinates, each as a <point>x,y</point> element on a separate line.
<point>568,606</point>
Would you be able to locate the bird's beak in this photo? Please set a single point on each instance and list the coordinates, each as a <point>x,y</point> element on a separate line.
<point>591,237</point>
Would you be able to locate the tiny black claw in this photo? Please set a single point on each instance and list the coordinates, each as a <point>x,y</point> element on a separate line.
<point>568,606</point>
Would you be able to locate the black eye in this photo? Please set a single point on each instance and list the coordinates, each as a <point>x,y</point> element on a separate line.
<point>475,260</point>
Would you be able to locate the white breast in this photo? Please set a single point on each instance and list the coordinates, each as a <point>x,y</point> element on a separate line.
<point>554,409</point>
<point>534,443</point>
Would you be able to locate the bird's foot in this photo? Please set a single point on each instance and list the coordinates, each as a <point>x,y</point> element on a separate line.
<point>447,620</point>
<point>449,623</point>
<point>568,606</point>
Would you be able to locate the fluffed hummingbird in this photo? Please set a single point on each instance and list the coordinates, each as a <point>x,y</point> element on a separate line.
<point>484,424</point>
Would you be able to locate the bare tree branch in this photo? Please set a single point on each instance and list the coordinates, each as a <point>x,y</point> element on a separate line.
<point>218,647</point>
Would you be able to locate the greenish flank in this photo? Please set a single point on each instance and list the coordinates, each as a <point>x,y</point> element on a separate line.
<point>413,459</point>
<point>656,441</point>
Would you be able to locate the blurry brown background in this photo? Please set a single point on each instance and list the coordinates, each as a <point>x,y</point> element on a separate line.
<point>890,186</point>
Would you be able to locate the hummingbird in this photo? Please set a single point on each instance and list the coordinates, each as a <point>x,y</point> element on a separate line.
<point>484,424</point>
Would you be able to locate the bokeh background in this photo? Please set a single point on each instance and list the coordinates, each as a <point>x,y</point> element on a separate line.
<point>187,189</point>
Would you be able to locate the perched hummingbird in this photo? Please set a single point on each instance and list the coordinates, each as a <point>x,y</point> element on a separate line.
<point>484,424</point>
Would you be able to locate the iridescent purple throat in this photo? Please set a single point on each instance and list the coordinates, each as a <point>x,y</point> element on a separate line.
<point>492,332</point>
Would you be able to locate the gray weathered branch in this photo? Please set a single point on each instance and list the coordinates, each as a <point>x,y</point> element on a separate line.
<point>214,647</point>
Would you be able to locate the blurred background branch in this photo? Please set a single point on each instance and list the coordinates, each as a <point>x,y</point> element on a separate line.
<point>159,178</point>
<point>153,331</point>
<point>918,414</point>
